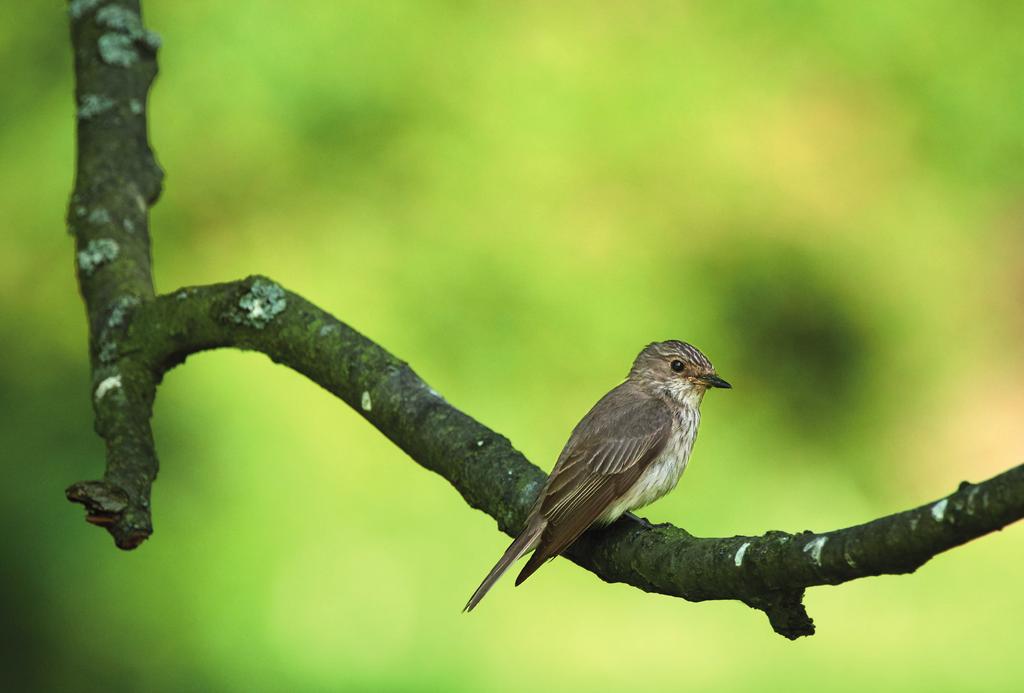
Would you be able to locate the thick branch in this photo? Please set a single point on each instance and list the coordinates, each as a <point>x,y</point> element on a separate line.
<point>135,338</point>
<point>116,181</point>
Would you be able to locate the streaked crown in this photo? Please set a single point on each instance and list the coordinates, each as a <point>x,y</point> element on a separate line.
<point>676,367</point>
<point>657,353</point>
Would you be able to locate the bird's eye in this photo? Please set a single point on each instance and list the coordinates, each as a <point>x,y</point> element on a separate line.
<point>677,366</point>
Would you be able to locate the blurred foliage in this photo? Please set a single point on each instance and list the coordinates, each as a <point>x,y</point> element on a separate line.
<point>516,197</point>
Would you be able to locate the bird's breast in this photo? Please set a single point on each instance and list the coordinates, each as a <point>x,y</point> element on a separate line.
<point>662,475</point>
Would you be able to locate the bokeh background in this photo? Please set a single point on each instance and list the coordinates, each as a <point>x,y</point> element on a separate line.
<point>826,197</point>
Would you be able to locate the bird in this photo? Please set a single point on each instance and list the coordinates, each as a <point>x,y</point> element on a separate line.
<point>629,450</point>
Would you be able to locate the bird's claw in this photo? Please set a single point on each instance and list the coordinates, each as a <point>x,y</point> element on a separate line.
<point>643,521</point>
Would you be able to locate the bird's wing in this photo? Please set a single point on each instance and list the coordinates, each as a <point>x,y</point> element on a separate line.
<point>604,457</point>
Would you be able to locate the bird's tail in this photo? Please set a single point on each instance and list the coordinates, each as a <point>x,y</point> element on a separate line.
<point>528,539</point>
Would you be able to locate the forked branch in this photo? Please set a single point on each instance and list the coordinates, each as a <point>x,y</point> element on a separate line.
<point>135,337</point>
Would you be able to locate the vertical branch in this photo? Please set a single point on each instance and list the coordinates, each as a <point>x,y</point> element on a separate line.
<point>117,180</point>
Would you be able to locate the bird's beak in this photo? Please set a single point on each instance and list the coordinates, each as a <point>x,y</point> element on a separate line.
<point>714,381</point>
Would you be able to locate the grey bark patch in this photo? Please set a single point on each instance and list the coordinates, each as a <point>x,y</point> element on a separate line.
<point>107,385</point>
<point>120,19</point>
<point>79,8</point>
<point>260,304</point>
<point>108,352</point>
<point>97,252</point>
<point>120,309</point>
<point>118,50</point>
<point>814,547</point>
<point>99,216</point>
<point>94,104</point>
<point>119,45</point>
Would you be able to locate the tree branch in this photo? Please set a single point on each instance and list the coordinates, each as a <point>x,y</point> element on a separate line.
<point>135,338</point>
<point>116,181</point>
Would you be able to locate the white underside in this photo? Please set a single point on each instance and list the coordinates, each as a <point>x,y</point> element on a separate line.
<point>663,474</point>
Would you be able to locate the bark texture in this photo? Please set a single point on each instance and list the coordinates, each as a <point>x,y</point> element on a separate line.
<point>136,336</point>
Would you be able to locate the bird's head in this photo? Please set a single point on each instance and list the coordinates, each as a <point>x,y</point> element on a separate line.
<point>676,368</point>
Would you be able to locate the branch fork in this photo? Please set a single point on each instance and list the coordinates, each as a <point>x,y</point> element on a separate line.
<point>136,336</point>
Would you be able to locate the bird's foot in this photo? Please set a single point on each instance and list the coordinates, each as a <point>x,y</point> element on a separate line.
<point>643,521</point>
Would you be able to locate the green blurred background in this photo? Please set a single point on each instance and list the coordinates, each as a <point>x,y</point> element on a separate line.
<point>826,197</point>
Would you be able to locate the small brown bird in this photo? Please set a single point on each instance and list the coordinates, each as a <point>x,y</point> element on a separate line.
<point>628,451</point>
